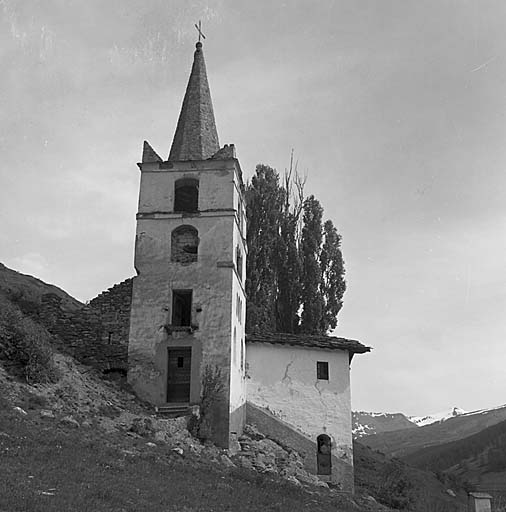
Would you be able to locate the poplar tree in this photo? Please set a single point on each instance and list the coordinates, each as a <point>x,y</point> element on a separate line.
<point>312,297</point>
<point>295,270</point>
<point>332,280</point>
<point>264,203</point>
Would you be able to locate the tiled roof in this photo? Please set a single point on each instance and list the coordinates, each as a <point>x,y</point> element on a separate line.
<point>309,341</point>
<point>196,137</point>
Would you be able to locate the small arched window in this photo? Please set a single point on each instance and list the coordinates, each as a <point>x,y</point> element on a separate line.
<point>184,244</point>
<point>186,195</point>
<point>323,455</point>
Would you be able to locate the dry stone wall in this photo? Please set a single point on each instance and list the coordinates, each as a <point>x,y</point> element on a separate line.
<point>96,334</point>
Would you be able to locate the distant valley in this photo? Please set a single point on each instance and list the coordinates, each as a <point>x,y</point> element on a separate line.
<point>374,424</point>
<point>469,446</point>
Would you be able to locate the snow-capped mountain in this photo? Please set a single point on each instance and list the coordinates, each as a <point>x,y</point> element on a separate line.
<point>369,423</point>
<point>437,429</point>
<point>438,416</point>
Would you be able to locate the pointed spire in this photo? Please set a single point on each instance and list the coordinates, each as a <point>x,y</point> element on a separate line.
<point>149,154</point>
<point>196,137</point>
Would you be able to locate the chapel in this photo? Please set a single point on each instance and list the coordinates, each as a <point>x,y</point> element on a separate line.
<point>188,307</point>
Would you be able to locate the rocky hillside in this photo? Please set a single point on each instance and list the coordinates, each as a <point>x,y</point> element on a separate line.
<point>26,291</point>
<point>85,440</point>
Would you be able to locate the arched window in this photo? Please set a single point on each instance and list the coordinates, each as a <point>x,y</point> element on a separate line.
<point>184,244</point>
<point>323,455</point>
<point>186,195</point>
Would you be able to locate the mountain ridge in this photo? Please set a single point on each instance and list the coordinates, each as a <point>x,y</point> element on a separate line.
<point>370,423</point>
<point>400,443</point>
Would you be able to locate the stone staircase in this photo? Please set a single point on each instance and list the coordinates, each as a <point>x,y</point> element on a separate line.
<point>173,410</point>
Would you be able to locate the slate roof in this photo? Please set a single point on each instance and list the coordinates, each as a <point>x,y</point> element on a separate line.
<point>309,341</point>
<point>196,137</point>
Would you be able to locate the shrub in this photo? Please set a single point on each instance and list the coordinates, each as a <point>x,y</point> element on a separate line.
<point>212,387</point>
<point>395,489</point>
<point>25,346</point>
<point>24,302</point>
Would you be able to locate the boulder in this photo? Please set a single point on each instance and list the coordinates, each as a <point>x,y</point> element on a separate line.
<point>252,432</point>
<point>244,462</point>
<point>293,481</point>
<point>69,421</point>
<point>226,461</point>
<point>161,436</point>
<point>142,426</point>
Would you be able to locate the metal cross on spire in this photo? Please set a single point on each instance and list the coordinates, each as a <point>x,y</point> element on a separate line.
<point>199,30</point>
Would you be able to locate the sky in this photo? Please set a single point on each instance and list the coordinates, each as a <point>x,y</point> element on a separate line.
<point>395,110</point>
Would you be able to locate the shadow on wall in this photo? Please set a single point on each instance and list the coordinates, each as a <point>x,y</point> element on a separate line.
<point>339,472</point>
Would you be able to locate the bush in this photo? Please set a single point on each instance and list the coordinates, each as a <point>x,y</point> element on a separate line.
<point>212,387</point>
<point>25,346</point>
<point>25,303</point>
<point>395,489</point>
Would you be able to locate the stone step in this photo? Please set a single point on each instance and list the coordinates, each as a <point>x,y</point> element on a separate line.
<point>173,410</point>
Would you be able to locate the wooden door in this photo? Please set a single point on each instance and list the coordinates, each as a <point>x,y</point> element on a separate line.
<point>179,375</point>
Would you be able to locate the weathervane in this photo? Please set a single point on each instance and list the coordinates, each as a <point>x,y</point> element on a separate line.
<point>199,30</point>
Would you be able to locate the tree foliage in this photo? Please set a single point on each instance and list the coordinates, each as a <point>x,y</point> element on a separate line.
<point>295,270</point>
<point>264,203</point>
<point>312,297</point>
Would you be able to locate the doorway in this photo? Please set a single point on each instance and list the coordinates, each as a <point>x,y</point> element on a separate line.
<point>179,375</point>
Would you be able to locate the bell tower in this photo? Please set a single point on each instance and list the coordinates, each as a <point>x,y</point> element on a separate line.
<point>188,300</point>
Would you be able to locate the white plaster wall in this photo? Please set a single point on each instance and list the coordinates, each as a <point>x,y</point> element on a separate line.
<point>212,278</point>
<point>215,187</point>
<point>283,379</point>
<point>154,237</point>
<point>238,321</point>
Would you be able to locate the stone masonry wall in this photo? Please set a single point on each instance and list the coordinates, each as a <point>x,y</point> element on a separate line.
<point>97,334</point>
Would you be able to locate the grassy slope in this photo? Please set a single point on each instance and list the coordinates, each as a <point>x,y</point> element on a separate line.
<point>393,482</point>
<point>444,456</point>
<point>479,459</point>
<point>85,470</point>
<point>28,290</point>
